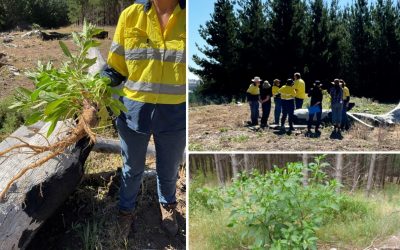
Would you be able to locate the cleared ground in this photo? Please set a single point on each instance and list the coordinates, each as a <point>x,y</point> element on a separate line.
<point>222,128</point>
<point>22,54</point>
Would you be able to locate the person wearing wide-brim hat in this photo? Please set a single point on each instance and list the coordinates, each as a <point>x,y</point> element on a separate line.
<point>288,93</point>
<point>277,100</point>
<point>253,95</point>
<point>265,99</point>
<point>336,93</point>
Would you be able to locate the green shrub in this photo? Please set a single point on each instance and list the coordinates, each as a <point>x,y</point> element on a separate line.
<point>10,120</point>
<point>278,212</point>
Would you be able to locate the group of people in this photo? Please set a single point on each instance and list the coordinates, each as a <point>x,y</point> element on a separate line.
<point>291,95</point>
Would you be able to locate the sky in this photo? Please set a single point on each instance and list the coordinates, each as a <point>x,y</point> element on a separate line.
<point>199,13</point>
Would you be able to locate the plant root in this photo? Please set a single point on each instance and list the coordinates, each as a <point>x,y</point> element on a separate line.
<point>86,122</point>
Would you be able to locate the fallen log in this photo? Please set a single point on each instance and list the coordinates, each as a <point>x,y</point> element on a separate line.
<point>390,118</point>
<point>54,36</point>
<point>37,194</point>
<point>113,146</point>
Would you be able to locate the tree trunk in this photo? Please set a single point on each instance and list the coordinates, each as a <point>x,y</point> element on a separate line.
<point>219,170</point>
<point>235,170</point>
<point>370,174</point>
<point>356,174</point>
<point>339,166</point>
<point>269,162</point>
<point>246,162</point>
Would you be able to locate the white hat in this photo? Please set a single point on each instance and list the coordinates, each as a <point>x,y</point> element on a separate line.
<point>256,79</point>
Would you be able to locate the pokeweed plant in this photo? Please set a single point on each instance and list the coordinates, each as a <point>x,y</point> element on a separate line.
<point>66,93</point>
<point>277,210</point>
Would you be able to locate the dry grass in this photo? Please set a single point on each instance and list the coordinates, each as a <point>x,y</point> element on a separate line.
<point>221,128</point>
<point>89,216</point>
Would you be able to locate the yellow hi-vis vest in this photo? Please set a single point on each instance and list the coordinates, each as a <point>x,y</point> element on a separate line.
<point>153,62</point>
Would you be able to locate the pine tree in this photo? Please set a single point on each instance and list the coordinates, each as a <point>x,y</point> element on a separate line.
<point>253,50</point>
<point>287,36</point>
<point>318,40</point>
<point>360,30</point>
<point>219,68</point>
<point>386,45</point>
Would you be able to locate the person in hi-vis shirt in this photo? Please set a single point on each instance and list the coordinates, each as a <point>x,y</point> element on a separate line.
<point>148,56</point>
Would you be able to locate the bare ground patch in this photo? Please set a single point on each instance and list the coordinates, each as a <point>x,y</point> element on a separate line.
<point>22,54</point>
<point>221,128</point>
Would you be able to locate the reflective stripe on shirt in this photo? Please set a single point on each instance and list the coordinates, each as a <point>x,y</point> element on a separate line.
<point>161,88</point>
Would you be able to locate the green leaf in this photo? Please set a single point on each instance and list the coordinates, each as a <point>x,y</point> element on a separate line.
<point>23,91</point>
<point>76,38</point>
<point>65,49</point>
<point>16,105</point>
<point>52,127</point>
<point>117,91</point>
<point>53,105</point>
<point>33,118</point>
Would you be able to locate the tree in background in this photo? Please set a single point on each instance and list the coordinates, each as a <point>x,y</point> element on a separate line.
<point>318,40</point>
<point>359,43</point>
<point>220,66</point>
<point>252,42</point>
<point>56,13</point>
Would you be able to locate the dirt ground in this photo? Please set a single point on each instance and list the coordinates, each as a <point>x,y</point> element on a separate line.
<point>22,54</point>
<point>222,128</point>
<point>88,219</point>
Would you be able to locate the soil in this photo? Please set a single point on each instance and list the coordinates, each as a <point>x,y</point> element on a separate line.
<point>222,128</point>
<point>88,218</point>
<point>22,54</point>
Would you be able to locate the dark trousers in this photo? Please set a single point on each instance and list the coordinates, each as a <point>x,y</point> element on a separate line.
<point>311,120</point>
<point>345,121</point>
<point>287,110</point>
<point>254,112</point>
<point>266,109</point>
<point>278,109</point>
<point>299,103</point>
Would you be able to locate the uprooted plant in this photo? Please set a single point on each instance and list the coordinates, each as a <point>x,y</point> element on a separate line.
<point>67,93</point>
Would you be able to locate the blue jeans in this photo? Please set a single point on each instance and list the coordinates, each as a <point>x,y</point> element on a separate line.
<point>299,103</point>
<point>311,120</point>
<point>278,109</point>
<point>254,112</point>
<point>169,152</point>
<point>337,109</point>
<point>266,109</point>
<point>287,110</point>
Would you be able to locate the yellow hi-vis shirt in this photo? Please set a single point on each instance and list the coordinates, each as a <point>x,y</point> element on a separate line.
<point>253,90</point>
<point>346,92</point>
<point>287,92</point>
<point>300,87</point>
<point>275,90</point>
<point>153,61</point>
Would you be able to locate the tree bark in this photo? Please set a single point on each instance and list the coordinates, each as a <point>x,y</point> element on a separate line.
<point>356,174</point>
<point>246,163</point>
<point>219,170</point>
<point>234,161</point>
<point>370,175</point>
<point>339,166</point>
